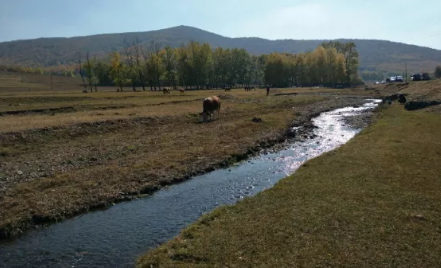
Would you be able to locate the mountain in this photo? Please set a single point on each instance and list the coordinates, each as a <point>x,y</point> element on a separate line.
<point>375,55</point>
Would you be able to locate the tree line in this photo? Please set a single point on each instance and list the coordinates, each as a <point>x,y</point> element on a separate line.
<point>199,66</point>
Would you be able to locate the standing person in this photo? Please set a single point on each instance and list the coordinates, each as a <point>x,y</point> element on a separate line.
<point>267,90</point>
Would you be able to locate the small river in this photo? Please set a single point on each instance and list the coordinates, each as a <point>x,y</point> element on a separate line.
<point>117,236</point>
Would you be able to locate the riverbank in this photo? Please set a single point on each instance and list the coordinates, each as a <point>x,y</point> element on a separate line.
<point>54,173</point>
<point>373,202</point>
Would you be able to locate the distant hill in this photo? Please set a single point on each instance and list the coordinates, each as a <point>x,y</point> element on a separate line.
<point>375,55</point>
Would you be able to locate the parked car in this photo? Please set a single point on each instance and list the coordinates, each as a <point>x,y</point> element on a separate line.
<point>419,77</point>
<point>425,76</point>
<point>392,79</point>
<point>377,83</point>
<point>383,82</point>
<point>399,78</point>
<point>416,77</point>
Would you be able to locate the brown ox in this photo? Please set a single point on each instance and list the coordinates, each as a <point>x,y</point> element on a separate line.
<point>182,90</point>
<point>210,105</point>
<point>165,91</point>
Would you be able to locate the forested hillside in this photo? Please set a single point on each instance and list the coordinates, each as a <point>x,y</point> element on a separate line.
<point>375,56</point>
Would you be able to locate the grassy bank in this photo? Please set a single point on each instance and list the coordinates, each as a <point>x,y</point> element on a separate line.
<point>374,202</point>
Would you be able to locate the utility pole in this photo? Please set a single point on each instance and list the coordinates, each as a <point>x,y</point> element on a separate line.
<point>406,72</point>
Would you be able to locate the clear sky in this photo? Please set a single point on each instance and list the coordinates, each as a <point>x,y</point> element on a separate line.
<point>412,21</point>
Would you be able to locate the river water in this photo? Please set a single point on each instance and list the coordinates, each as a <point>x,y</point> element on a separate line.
<point>115,237</point>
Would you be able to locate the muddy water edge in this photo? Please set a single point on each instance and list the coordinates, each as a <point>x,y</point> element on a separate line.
<point>117,236</point>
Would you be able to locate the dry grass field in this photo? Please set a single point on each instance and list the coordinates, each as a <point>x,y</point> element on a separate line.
<point>66,152</point>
